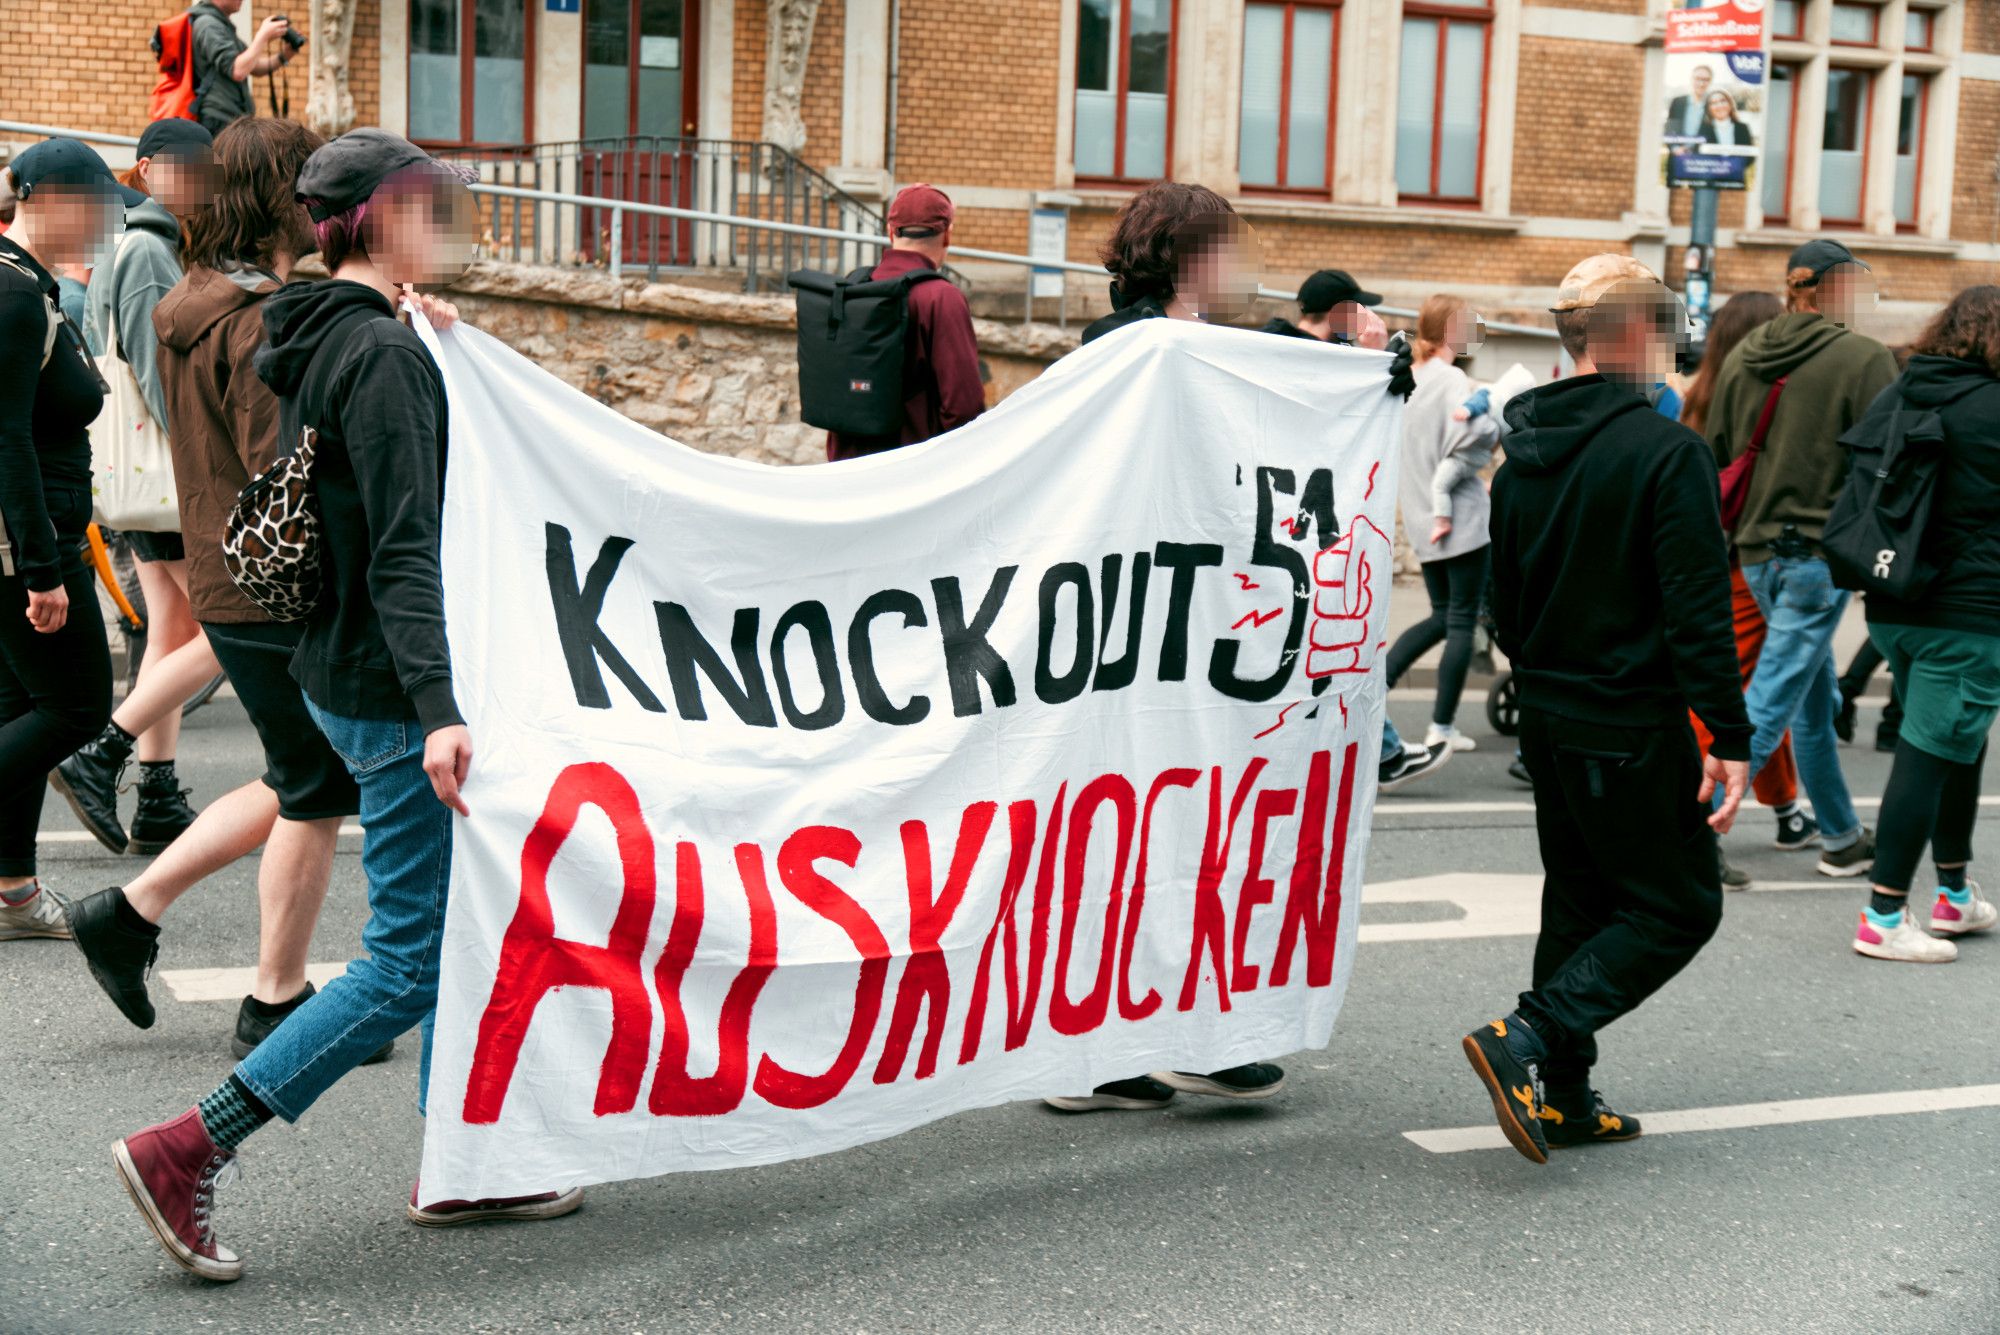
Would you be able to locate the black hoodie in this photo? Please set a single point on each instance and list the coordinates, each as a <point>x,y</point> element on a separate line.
<point>1610,576</point>
<point>375,648</point>
<point>1962,539</point>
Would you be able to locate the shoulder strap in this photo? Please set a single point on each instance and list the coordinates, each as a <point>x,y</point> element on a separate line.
<point>1764,418</point>
<point>55,311</point>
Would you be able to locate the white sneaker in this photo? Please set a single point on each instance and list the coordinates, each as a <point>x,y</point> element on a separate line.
<point>1955,918</point>
<point>1905,942</point>
<point>1439,735</point>
<point>42,914</point>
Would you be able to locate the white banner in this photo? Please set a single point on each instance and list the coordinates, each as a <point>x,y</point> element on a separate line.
<point>812,804</point>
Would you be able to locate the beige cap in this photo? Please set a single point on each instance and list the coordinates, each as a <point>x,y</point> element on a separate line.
<point>1591,279</point>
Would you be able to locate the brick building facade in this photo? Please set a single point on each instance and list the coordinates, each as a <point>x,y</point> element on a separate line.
<point>1479,145</point>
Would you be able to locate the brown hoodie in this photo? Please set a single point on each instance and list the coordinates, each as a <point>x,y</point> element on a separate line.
<point>225,419</point>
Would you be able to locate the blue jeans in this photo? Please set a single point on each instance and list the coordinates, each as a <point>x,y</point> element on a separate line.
<point>406,855</point>
<point>1796,686</point>
<point>1392,741</point>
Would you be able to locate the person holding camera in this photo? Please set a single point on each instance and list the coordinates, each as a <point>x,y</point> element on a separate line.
<point>224,66</point>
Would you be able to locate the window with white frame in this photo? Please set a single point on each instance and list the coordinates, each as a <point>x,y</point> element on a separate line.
<point>1868,72</point>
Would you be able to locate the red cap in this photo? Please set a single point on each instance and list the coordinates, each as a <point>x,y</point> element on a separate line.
<point>919,206</point>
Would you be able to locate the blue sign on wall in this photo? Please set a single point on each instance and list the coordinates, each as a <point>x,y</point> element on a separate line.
<point>565,6</point>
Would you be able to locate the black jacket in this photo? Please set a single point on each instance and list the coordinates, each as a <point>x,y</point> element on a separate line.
<point>1124,312</point>
<point>1610,575</point>
<point>1278,324</point>
<point>1963,537</point>
<point>376,647</point>
<point>45,417</point>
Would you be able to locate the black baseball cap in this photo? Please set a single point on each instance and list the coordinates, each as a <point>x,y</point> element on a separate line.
<point>175,138</point>
<point>1328,288</point>
<point>1819,256</point>
<point>68,162</point>
<point>344,172</point>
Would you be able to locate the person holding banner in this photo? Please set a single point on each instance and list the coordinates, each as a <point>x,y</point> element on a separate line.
<point>1611,599</point>
<point>374,665</point>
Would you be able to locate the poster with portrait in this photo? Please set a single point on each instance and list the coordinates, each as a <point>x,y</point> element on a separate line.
<point>1713,106</point>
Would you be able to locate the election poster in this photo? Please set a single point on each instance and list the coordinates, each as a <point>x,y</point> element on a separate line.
<point>1713,127</point>
<point>810,805</point>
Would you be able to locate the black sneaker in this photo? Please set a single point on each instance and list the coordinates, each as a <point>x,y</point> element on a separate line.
<point>1796,831</point>
<point>1857,859</point>
<point>1513,1085</point>
<point>1582,1117</point>
<point>1518,772</point>
<point>255,1021</point>
<point>1415,763</point>
<point>1257,1080</point>
<point>163,815</point>
<point>1886,738</point>
<point>1734,878</point>
<point>1141,1093</point>
<point>120,957</point>
<point>89,781</point>
<point>1843,722</point>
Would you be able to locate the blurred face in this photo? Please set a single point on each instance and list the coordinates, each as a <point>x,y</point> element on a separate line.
<point>1847,294</point>
<point>1359,325</point>
<point>1465,332</point>
<point>1218,278</point>
<point>421,230</point>
<point>1637,330</point>
<point>182,183</point>
<point>1721,107</point>
<point>73,224</point>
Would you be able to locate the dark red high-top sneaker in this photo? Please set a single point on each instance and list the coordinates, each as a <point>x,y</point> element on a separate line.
<point>446,1214</point>
<point>172,1171</point>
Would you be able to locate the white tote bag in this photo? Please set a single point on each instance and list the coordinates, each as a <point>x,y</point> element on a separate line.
<point>131,469</point>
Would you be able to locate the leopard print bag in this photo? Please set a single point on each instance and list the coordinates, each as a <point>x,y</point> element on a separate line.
<point>271,545</point>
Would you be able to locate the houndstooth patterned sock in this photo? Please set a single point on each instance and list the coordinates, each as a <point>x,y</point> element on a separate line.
<point>231,1113</point>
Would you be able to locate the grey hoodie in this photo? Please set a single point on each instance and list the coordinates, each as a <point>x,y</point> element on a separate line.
<point>144,269</point>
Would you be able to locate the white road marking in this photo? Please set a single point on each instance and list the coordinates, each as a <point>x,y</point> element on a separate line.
<point>1738,1116</point>
<point>86,837</point>
<point>1409,806</point>
<point>232,984</point>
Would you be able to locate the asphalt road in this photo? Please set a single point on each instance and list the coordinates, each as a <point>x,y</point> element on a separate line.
<point>1311,1212</point>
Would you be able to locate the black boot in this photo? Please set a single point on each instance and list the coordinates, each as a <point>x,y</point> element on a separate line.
<point>163,809</point>
<point>120,947</point>
<point>256,1019</point>
<point>89,780</point>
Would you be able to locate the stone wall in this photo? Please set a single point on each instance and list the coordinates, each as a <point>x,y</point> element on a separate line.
<point>715,370</point>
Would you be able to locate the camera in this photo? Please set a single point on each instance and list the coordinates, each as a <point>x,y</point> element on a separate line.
<point>292,38</point>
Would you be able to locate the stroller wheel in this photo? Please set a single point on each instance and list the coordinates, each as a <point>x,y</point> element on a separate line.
<point>1503,705</point>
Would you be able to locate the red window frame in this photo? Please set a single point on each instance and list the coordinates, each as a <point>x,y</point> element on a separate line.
<point>690,66</point>
<point>1282,187</point>
<point>467,85</point>
<point>1867,132</point>
<point>1923,122</point>
<point>1794,70</point>
<point>1795,33</point>
<point>1929,17</point>
<point>1874,25</point>
<point>1122,91</point>
<point>1480,12</point>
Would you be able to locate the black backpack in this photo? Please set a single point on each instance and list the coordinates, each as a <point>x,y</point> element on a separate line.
<point>853,338</point>
<point>1874,536</point>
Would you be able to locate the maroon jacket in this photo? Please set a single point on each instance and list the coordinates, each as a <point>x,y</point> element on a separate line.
<point>941,388</point>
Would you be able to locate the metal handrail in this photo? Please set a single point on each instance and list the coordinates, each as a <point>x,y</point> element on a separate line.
<point>616,208</point>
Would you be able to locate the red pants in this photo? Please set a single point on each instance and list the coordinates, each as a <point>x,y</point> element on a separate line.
<point>1778,782</point>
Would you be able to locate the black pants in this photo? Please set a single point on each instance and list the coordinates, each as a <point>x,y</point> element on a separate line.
<point>1455,586</point>
<point>1855,680</point>
<point>55,695</point>
<point>1929,800</point>
<point>1633,879</point>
